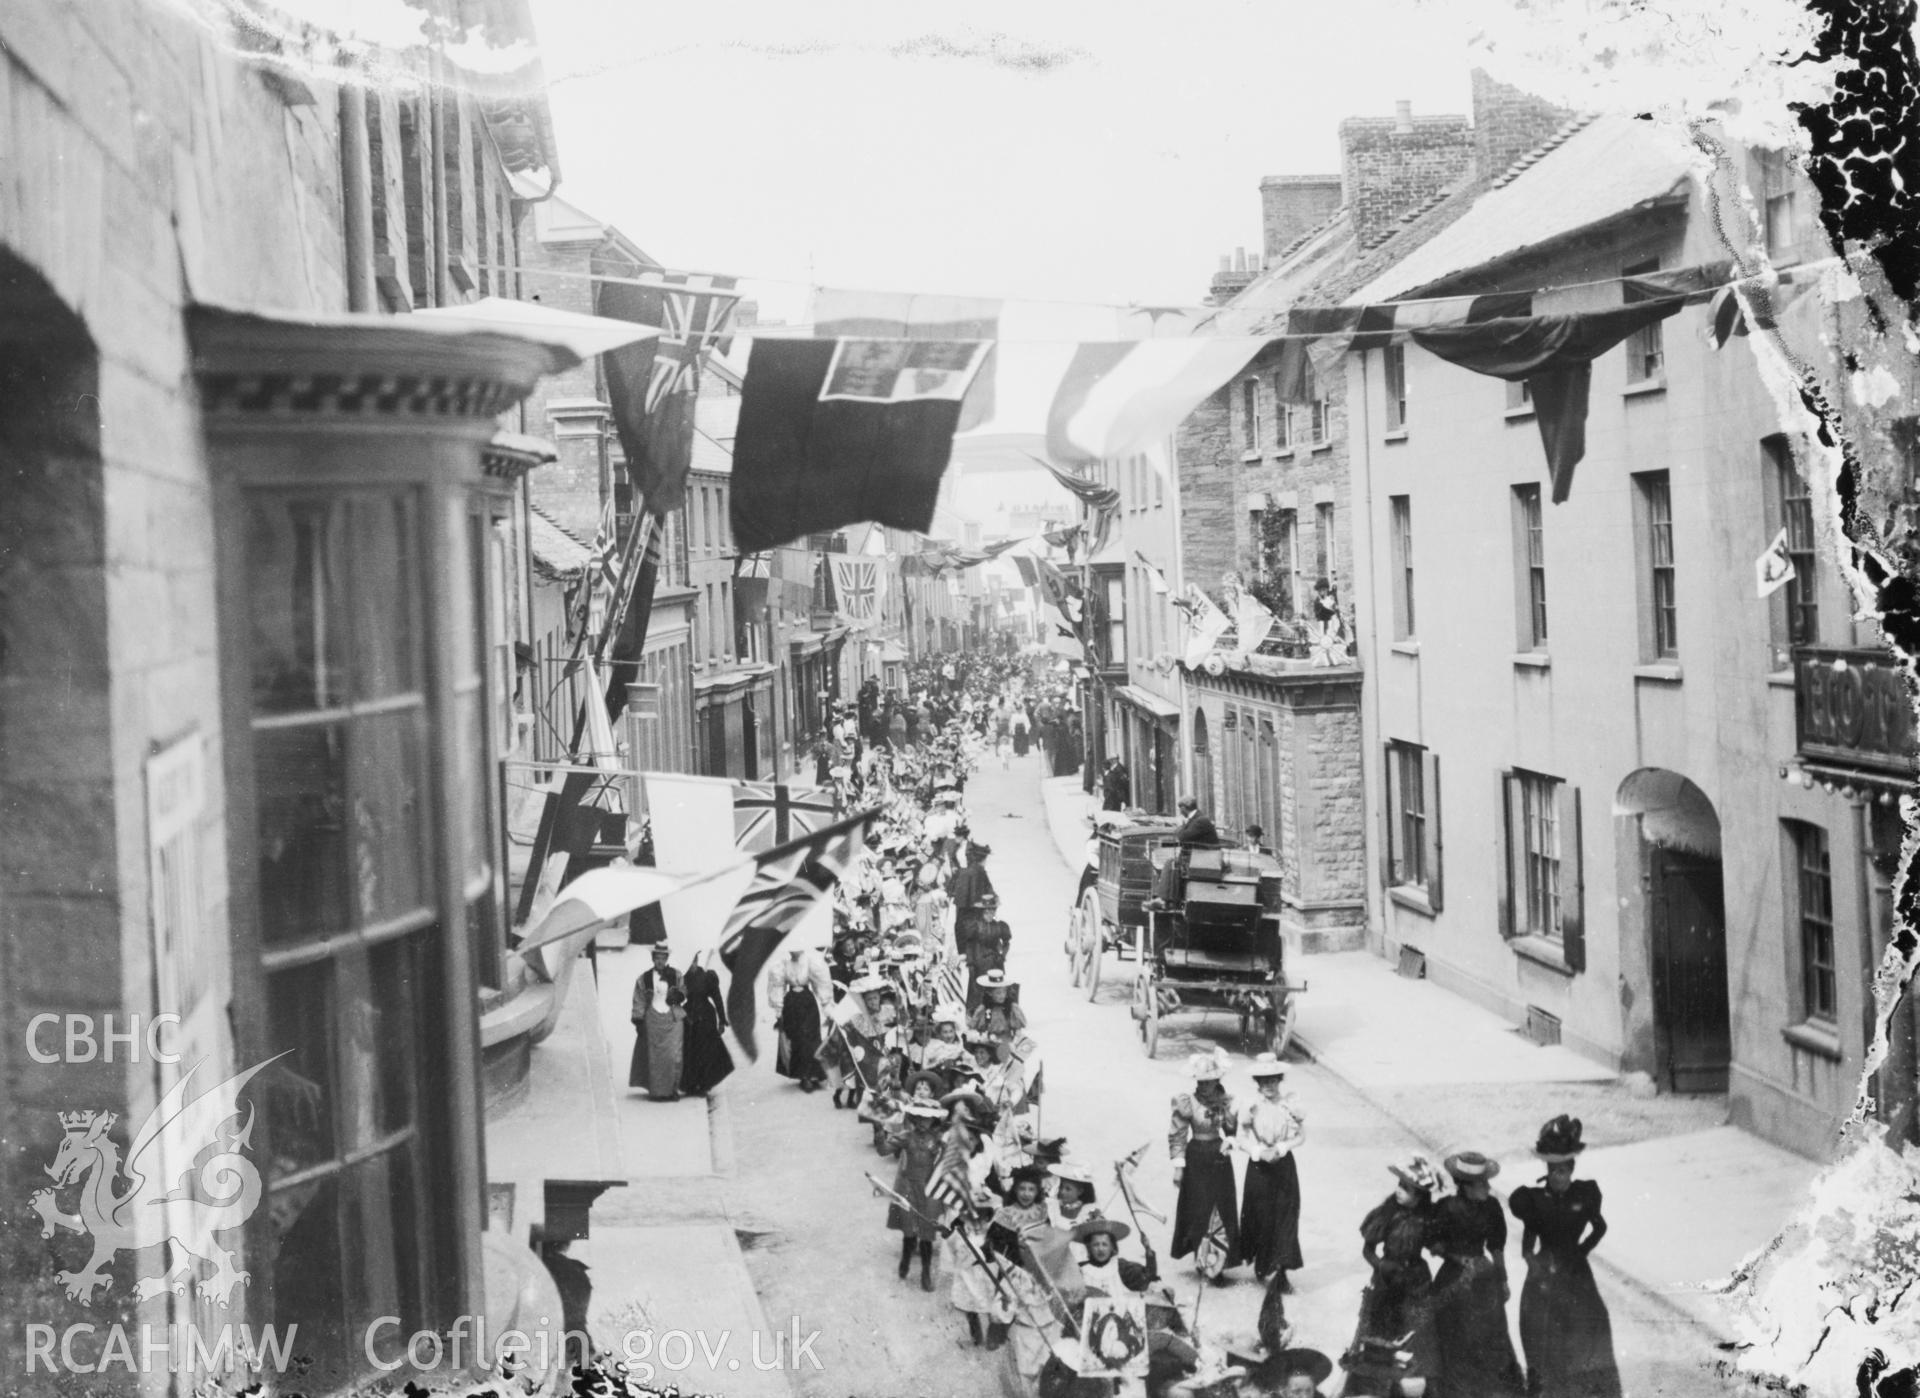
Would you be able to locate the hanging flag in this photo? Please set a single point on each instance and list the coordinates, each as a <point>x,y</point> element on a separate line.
<point>788,882</point>
<point>1554,356</point>
<point>857,584</point>
<point>1095,496</point>
<point>653,387</point>
<point>835,432</point>
<point>893,315</point>
<point>1029,575</point>
<point>601,750</point>
<point>1155,577</point>
<point>1067,538</point>
<point>771,813</point>
<point>603,558</point>
<point>1774,569</point>
<point>1253,622</point>
<point>1209,625</point>
<point>1079,382</point>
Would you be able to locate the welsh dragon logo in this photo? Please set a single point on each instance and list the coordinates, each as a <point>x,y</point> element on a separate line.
<point>207,1197</point>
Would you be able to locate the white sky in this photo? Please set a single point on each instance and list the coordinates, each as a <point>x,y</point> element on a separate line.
<point>1025,148</point>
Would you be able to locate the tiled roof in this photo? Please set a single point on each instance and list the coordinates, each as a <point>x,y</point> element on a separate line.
<point>557,555</point>
<point>1591,170</point>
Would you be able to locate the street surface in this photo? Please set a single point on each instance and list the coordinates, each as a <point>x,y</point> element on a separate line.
<point>815,1235</point>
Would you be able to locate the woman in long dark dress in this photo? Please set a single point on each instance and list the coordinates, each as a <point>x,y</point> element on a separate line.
<point>707,1061</point>
<point>1270,1129</point>
<point>1470,1290</point>
<point>1564,1326</point>
<point>1205,1221</point>
<point>1396,1309</point>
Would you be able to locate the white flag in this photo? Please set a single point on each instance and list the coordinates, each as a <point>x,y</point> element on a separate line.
<point>1253,622</point>
<point>1774,569</point>
<point>1209,625</point>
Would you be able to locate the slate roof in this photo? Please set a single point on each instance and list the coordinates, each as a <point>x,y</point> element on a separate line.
<point>557,555</point>
<point>1593,169</point>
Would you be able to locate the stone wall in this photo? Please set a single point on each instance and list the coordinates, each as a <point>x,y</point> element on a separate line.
<point>1207,471</point>
<point>1293,205</point>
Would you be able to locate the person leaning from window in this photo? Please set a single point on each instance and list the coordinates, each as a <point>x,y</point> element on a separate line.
<point>1257,840</point>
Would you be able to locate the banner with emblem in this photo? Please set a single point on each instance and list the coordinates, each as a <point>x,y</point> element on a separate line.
<point>857,586</point>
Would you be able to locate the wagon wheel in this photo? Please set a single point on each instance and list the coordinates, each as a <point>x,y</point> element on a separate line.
<point>1076,938</point>
<point>1280,1023</point>
<point>1093,942</point>
<point>1146,995</point>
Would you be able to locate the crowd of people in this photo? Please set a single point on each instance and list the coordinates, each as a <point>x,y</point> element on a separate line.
<point>909,1022</point>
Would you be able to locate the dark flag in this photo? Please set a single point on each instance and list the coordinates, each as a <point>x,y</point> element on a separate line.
<point>653,386</point>
<point>834,432</point>
<point>788,881</point>
<point>1554,355</point>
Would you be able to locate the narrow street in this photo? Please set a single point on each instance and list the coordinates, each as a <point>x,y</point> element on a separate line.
<point>814,1233</point>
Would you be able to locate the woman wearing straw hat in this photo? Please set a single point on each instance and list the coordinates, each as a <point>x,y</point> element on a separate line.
<point>1269,1130</point>
<point>1397,1302</point>
<point>1470,1291</point>
<point>1205,1221</point>
<point>1072,1203</point>
<point>1564,1326</point>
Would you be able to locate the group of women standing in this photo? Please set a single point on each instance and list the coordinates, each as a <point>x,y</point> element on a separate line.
<point>1445,1332</point>
<point>1424,1331</point>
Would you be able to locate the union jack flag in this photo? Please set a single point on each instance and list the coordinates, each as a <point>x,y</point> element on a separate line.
<point>768,814</point>
<point>788,882</point>
<point>856,587</point>
<point>949,983</point>
<point>695,308</point>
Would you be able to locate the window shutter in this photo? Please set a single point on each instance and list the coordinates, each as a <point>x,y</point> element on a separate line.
<point>1430,772</point>
<point>1389,862</point>
<point>1573,880</point>
<point>1504,885</point>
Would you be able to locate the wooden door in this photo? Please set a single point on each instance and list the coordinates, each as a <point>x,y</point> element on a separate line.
<point>1688,923</point>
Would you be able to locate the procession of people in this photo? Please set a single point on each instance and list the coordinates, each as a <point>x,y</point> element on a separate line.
<point>910,1018</point>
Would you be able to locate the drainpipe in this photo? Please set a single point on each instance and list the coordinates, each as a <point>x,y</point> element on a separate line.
<point>1365,439</point>
<point>436,140</point>
<point>356,179</point>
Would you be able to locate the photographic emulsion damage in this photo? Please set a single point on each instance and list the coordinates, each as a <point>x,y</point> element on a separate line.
<point>648,749</point>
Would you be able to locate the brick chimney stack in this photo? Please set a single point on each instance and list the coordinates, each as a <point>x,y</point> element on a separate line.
<point>1391,166</point>
<point>1507,123</point>
<point>1291,205</point>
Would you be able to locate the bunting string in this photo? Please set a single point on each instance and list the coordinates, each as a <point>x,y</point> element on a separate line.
<point>1799,272</point>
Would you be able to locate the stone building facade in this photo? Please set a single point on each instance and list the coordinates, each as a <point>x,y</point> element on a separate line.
<point>1667,833</point>
<point>186,768</point>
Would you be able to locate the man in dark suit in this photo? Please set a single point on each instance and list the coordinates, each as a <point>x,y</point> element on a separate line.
<point>1196,827</point>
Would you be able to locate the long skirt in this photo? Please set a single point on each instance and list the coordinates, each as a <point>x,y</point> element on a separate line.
<point>707,1061</point>
<point>1470,1331</point>
<point>799,1037</point>
<point>658,1040</point>
<point>1019,742</point>
<point>1391,1307</point>
<point>1565,1330</point>
<point>1270,1216</point>
<point>1206,1193</point>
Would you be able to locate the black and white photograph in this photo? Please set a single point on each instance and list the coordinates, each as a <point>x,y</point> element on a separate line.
<point>1015,700</point>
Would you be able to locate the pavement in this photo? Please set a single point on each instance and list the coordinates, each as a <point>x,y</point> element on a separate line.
<point>672,1294</point>
<point>1689,1198</point>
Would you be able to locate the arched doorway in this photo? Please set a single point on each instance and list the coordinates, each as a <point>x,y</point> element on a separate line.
<point>1684,914</point>
<point>1202,763</point>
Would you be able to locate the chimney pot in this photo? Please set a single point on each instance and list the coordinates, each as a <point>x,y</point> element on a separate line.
<point>1239,259</point>
<point>1403,117</point>
<point>1226,262</point>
